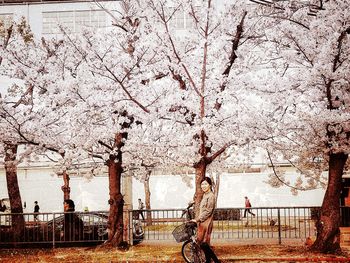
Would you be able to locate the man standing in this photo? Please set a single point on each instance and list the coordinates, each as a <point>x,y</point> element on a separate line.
<point>36,211</point>
<point>247,207</point>
<point>73,225</point>
<point>140,208</point>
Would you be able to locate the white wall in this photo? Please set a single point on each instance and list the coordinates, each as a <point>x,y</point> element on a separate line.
<point>39,185</point>
<point>167,191</point>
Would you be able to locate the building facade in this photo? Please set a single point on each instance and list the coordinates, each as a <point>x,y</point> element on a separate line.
<point>44,17</point>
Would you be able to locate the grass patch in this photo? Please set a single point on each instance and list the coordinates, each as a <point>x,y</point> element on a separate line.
<point>222,226</point>
<point>161,227</point>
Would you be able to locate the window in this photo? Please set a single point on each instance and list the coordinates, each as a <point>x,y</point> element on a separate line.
<point>5,22</point>
<point>74,20</point>
<point>180,19</point>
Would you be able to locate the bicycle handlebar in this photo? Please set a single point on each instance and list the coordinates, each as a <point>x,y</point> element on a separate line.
<point>190,204</point>
<point>187,210</point>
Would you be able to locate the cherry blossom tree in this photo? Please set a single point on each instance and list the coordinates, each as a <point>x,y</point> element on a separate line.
<point>65,89</point>
<point>27,120</point>
<point>107,70</point>
<point>203,65</point>
<point>137,85</point>
<point>308,82</point>
<point>10,139</point>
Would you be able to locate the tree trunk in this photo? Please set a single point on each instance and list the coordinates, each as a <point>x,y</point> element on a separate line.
<point>328,234</point>
<point>201,168</point>
<point>18,223</point>
<point>216,187</point>
<point>65,187</point>
<point>148,202</point>
<point>116,201</point>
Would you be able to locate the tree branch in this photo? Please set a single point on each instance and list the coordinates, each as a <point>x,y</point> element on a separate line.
<point>235,43</point>
<point>105,145</point>
<point>279,179</point>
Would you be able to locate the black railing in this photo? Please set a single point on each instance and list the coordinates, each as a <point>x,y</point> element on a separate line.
<point>55,228</point>
<point>266,223</point>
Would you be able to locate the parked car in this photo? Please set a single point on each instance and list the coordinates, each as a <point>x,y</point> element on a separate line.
<point>137,231</point>
<point>95,227</point>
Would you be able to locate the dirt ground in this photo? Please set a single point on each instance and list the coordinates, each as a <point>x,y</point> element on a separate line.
<point>168,253</point>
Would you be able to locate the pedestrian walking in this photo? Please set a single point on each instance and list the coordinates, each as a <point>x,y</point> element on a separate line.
<point>36,211</point>
<point>248,206</point>
<point>140,208</point>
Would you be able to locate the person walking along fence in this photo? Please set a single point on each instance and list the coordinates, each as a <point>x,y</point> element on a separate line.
<point>248,206</point>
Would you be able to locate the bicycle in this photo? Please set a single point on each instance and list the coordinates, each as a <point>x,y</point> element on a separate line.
<point>186,232</point>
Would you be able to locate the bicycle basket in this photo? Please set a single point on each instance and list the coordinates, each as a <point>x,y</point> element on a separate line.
<point>182,233</point>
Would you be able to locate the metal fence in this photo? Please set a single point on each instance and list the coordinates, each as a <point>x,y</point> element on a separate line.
<point>84,228</point>
<point>53,229</point>
<point>267,223</point>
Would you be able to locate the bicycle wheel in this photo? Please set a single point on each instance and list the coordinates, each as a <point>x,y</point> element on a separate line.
<point>192,253</point>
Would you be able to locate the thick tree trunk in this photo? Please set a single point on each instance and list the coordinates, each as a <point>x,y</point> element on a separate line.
<point>328,234</point>
<point>116,201</point>
<point>201,168</point>
<point>18,223</point>
<point>148,202</point>
<point>65,187</point>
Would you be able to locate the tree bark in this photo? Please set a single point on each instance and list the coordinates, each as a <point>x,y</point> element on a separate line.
<point>18,223</point>
<point>216,187</point>
<point>148,202</point>
<point>201,168</point>
<point>65,187</point>
<point>116,201</point>
<point>328,234</point>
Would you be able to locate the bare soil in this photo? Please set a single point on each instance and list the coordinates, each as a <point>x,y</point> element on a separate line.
<point>163,252</point>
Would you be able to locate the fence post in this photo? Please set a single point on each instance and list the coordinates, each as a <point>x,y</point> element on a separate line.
<point>131,238</point>
<point>127,225</point>
<point>279,226</point>
<point>53,231</point>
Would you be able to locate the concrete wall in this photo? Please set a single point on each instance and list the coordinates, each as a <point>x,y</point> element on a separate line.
<point>167,191</point>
